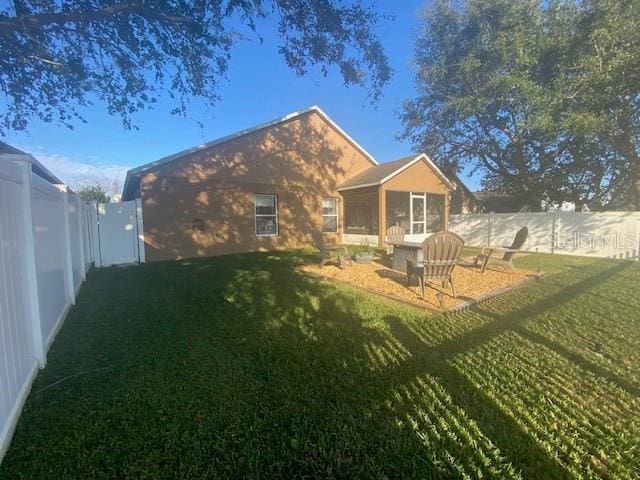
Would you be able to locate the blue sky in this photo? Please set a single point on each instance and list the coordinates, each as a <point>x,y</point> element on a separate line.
<point>260,87</point>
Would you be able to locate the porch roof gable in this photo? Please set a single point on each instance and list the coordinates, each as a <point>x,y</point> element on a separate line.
<point>384,172</point>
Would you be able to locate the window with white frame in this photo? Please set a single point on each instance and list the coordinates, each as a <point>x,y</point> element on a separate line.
<point>266,213</point>
<point>330,215</point>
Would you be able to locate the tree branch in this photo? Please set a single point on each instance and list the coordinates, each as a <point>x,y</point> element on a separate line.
<point>29,22</point>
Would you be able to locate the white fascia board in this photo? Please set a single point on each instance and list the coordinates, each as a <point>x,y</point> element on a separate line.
<point>401,169</point>
<point>442,176</point>
<point>322,113</point>
<point>363,185</point>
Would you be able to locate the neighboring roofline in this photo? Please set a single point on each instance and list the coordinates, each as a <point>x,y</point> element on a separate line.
<point>314,108</point>
<point>464,187</point>
<point>27,157</point>
<point>51,178</point>
<point>418,157</point>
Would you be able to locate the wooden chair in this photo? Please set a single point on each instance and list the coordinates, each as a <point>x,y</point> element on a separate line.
<point>394,234</point>
<point>485,257</point>
<point>440,254</point>
<point>330,254</point>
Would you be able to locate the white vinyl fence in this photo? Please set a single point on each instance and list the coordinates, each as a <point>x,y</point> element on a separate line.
<point>49,239</point>
<point>598,234</point>
<point>120,233</point>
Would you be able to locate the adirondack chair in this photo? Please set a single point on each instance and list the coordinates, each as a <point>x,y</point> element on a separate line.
<point>440,254</point>
<point>485,257</point>
<point>339,255</point>
<point>394,234</point>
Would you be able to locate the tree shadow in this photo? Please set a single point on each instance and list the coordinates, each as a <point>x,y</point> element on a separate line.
<point>492,419</point>
<point>241,366</point>
<point>402,365</point>
<point>515,320</point>
<point>203,204</point>
<point>507,436</point>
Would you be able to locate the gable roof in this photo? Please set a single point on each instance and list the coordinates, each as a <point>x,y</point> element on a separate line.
<point>148,166</point>
<point>386,171</point>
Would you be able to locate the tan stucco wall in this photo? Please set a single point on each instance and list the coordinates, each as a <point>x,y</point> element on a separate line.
<point>420,177</point>
<point>301,161</point>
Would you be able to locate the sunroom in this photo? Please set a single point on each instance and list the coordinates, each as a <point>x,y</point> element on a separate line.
<point>411,192</point>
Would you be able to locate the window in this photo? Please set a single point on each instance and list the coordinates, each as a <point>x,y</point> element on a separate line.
<point>330,215</point>
<point>266,210</point>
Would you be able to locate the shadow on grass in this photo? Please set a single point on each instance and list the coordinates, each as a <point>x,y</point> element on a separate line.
<point>515,320</point>
<point>239,366</point>
<point>490,418</point>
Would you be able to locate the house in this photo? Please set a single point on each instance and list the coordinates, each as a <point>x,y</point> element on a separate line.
<point>463,200</point>
<point>269,186</point>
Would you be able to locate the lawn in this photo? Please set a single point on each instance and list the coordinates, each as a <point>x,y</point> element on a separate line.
<point>239,366</point>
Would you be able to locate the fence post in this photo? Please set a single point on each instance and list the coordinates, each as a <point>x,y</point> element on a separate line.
<point>79,212</point>
<point>140,230</point>
<point>638,243</point>
<point>489,219</point>
<point>89,211</point>
<point>554,232</point>
<point>31,279</point>
<point>95,229</point>
<point>85,215</point>
<point>68,271</point>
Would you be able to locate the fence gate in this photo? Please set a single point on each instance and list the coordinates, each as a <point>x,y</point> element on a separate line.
<point>120,233</point>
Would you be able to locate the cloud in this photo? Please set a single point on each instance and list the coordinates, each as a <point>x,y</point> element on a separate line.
<point>80,173</point>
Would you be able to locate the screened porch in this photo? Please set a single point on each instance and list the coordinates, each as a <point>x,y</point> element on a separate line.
<point>368,212</point>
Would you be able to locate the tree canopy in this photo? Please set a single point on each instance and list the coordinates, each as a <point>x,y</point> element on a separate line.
<point>94,193</point>
<point>59,56</point>
<point>540,97</point>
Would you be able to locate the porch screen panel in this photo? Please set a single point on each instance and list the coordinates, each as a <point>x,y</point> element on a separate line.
<point>435,212</point>
<point>359,217</point>
<point>398,206</point>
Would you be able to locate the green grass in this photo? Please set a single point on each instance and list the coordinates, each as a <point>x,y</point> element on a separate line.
<point>238,366</point>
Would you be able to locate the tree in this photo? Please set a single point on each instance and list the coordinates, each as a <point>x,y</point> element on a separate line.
<point>58,56</point>
<point>94,193</point>
<point>607,82</point>
<point>507,87</point>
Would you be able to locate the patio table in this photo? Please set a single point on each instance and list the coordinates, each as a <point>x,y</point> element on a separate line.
<point>403,251</point>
